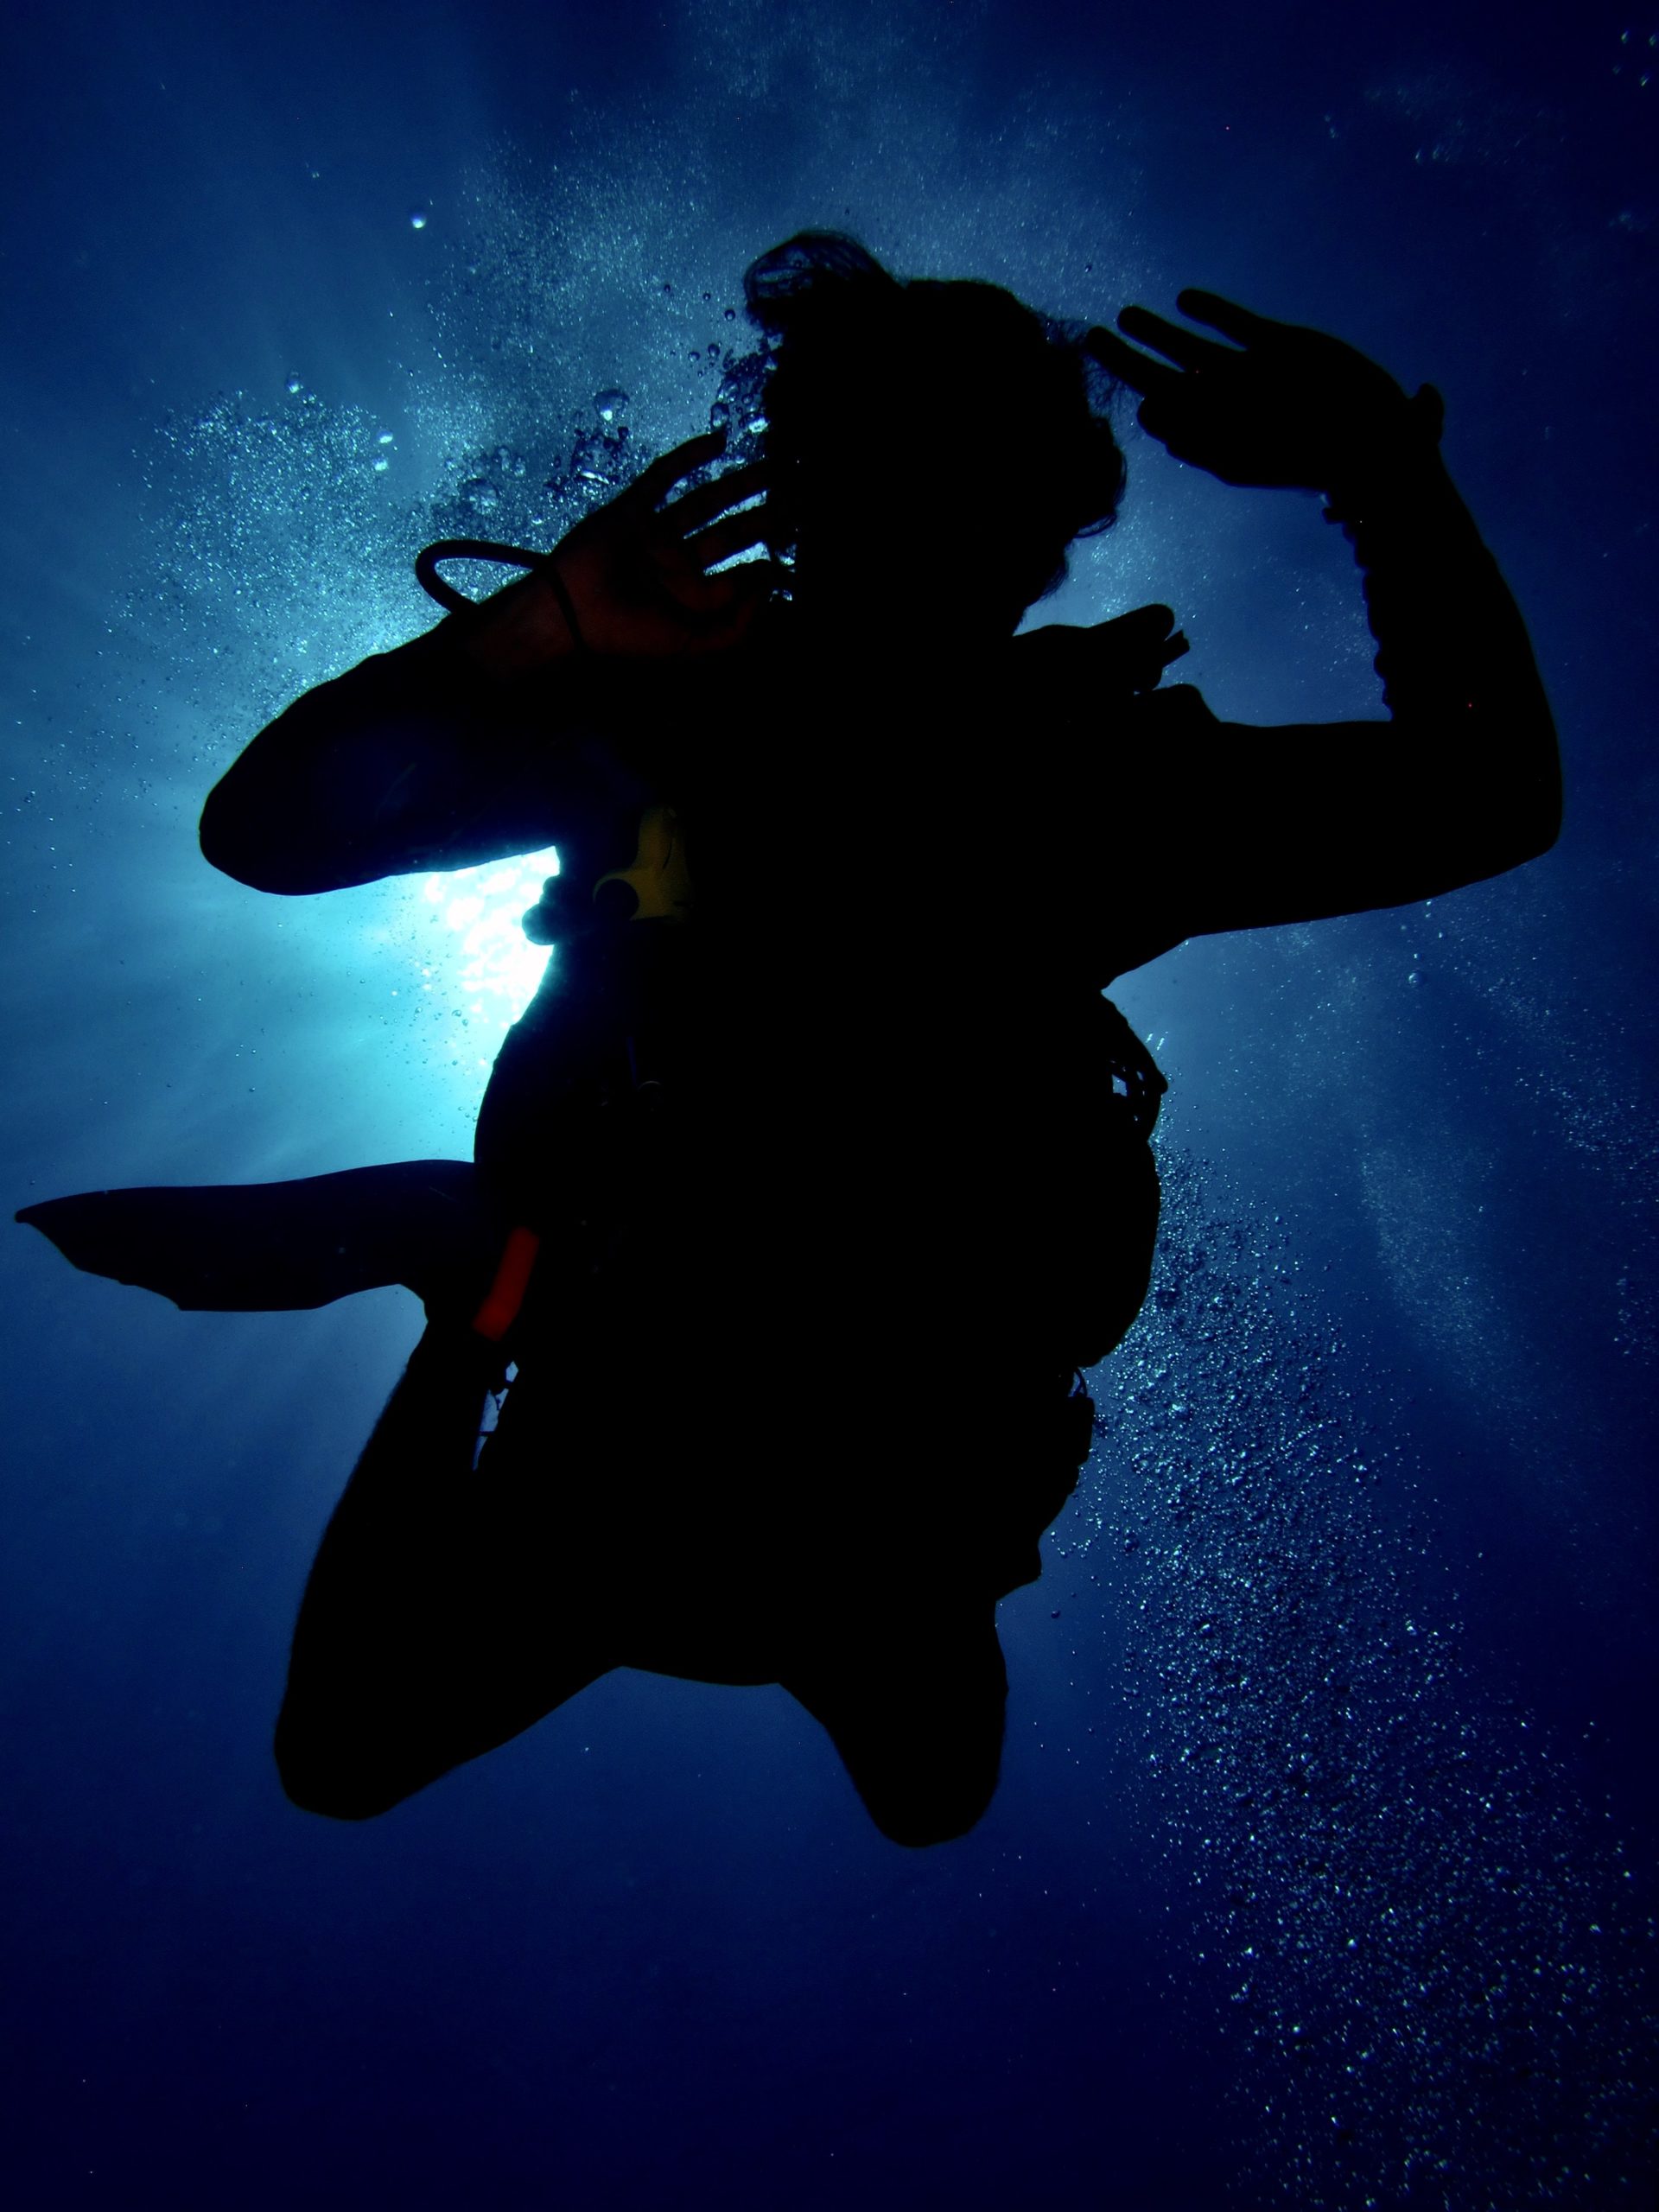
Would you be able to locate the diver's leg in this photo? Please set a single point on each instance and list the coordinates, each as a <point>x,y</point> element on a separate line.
<point>915,1707</point>
<point>267,1248</point>
<point>435,1625</point>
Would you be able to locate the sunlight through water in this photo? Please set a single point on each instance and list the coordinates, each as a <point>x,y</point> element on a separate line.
<point>462,933</point>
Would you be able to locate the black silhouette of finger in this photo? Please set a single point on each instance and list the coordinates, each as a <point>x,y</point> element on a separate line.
<point>653,486</point>
<point>1140,373</point>
<point>752,580</point>
<point>1155,633</point>
<point>1429,409</point>
<point>735,534</point>
<point>694,509</point>
<point>1185,347</point>
<point>1241,324</point>
<point>699,587</point>
<point>1156,617</point>
<point>1150,632</point>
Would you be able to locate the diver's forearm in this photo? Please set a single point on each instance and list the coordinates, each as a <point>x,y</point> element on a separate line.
<point>375,773</point>
<point>1459,679</point>
<point>446,751</point>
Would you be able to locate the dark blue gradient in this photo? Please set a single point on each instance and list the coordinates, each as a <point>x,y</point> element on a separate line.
<point>1321,1872</point>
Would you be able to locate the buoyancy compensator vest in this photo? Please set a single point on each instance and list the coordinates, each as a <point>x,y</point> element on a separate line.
<point>628,1107</point>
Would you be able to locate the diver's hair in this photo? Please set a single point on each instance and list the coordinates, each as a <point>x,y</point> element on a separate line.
<point>1004,428</point>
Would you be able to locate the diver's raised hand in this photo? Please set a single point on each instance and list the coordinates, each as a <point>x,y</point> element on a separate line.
<point>632,580</point>
<point>637,571</point>
<point>1281,406</point>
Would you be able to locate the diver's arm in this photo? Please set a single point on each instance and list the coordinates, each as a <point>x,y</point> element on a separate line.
<point>422,758</point>
<point>511,722</point>
<point>1463,782</point>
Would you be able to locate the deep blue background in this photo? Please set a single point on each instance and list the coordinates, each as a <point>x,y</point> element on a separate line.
<point>1379,1467</point>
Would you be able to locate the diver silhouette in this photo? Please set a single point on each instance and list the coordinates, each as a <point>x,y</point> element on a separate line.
<point>818,1170</point>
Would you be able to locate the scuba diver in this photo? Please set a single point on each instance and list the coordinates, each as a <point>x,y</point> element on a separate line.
<point>818,1170</point>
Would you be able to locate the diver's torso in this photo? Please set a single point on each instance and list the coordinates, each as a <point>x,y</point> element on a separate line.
<point>833,1171</point>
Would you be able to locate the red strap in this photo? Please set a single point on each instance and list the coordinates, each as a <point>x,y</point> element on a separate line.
<point>506,1293</point>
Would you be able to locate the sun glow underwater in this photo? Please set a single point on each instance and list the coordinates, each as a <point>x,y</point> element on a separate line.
<point>482,972</point>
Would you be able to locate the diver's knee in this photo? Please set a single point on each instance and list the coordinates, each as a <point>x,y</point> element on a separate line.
<point>326,1782</point>
<point>931,1790</point>
<point>917,1823</point>
<point>923,1753</point>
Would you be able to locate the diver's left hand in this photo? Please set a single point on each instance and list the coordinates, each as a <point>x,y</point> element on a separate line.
<point>1281,406</point>
<point>638,569</point>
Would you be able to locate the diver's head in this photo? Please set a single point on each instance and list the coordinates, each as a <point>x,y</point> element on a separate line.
<point>932,448</point>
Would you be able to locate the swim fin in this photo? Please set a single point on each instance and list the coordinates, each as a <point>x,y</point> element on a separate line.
<point>262,1247</point>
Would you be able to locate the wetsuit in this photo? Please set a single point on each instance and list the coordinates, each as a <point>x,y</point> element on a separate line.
<point>793,1401</point>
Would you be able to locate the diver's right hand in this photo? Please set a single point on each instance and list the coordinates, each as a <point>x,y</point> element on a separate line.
<point>632,580</point>
<point>637,571</point>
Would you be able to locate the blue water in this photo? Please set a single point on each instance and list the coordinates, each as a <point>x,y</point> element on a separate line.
<point>1321,1872</point>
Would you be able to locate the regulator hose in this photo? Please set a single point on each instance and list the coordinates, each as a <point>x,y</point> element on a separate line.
<point>465,549</point>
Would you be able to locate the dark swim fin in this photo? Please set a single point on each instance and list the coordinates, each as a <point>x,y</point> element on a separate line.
<point>262,1247</point>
